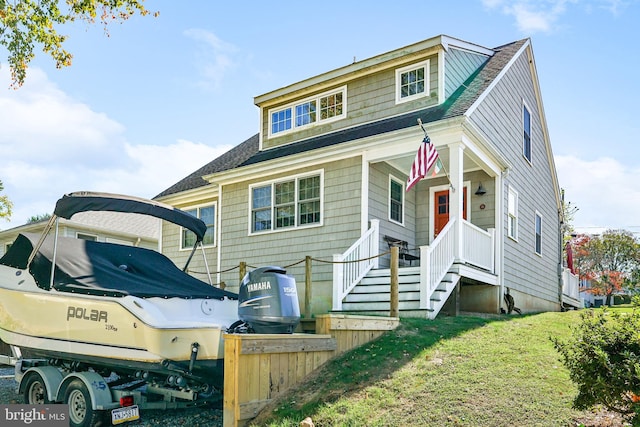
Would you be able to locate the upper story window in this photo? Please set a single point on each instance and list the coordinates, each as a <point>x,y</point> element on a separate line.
<point>526,138</point>
<point>412,82</point>
<point>320,108</point>
<point>208,215</point>
<point>538,232</point>
<point>293,202</point>
<point>396,200</point>
<point>512,211</point>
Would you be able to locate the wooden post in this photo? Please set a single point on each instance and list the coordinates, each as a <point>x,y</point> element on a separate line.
<point>393,297</point>
<point>307,287</point>
<point>242,271</point>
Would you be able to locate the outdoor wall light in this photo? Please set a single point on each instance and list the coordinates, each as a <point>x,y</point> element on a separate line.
<point>480,191</point>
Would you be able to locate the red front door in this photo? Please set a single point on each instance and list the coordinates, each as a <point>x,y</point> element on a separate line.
<point>441,209</point>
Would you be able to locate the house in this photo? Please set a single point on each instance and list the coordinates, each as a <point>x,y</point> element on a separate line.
<point>325,179</point>
<point>112,227</point>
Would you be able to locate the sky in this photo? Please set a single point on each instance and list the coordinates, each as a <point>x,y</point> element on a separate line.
<point>157,98</point>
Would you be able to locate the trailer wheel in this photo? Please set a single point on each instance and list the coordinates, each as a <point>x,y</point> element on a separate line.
<point>81,413</point>
<point>35,390</point>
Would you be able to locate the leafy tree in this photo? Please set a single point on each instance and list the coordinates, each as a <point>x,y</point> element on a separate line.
<point>603,358</point>
<point>25,23</point>
<point>6,206</point>
<point>38,218</point>
<point>608,261</point>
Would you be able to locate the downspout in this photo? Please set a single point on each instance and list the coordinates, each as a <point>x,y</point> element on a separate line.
<point>501,213</point>
<point>560,253</point>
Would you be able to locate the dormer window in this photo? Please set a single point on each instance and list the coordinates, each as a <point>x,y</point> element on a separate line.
<point>321,108</point>
<point>412,82</point>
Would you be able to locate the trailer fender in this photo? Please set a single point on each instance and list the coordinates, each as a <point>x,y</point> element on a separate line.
<point>51,376</point>
<point>97,386</point>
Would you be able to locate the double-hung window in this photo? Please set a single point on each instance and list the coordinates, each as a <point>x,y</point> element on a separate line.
<point>396,200</point>
<point>512,212</point>
<point>208,215</point>
<point>538,233</point>
<point>526,134</point>
<point>293,202</point>
<point>412,81</point>
<point>323,107</point>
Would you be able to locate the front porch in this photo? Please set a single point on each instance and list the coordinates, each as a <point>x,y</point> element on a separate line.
<point>360,286</point>
<point>467,264</point>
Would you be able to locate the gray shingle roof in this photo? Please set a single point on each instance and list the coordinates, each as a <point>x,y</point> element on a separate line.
<point>456,105</point>
<point>229,160</point>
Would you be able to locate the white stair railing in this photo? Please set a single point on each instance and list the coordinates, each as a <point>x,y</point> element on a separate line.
<point>348,271</point>
<point>436,259</point>
<point>570,284</point>
<point>477,246</point>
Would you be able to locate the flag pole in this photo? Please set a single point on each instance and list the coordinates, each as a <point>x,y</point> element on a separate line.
<point>442,163</point>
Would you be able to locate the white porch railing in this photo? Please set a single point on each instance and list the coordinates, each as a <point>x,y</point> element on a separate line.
<point>346,272</point>
<point>570,284</point>
<point>478,246</point>
<point>435,261</point>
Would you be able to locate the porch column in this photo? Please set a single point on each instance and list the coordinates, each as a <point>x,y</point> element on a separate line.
<point>456,169</point>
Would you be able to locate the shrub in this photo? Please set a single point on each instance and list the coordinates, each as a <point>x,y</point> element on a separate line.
<point>603,358</point>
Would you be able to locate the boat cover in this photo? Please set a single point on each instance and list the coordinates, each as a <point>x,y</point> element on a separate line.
<point>106,269</point>
<point>84,201</point>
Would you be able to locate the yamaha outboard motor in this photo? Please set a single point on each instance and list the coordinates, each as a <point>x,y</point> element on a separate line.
<point>268,301</point>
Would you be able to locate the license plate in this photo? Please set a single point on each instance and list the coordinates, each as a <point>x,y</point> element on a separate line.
<point>126,414</point>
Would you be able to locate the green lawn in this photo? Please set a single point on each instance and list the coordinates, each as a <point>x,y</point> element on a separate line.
<point>454,371</point>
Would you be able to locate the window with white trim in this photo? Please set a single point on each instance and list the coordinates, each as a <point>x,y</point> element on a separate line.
<point>538,233</point>
<point>396,200</point>
<point>294,202</point>
<point>412,82</point>
<point>208,215</point>
<point>526,133</point>
<point>512,212</point>
<point>321,108</point>
<point>85,236</point>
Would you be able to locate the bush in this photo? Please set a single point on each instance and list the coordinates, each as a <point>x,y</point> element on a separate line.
<point>603,358</point>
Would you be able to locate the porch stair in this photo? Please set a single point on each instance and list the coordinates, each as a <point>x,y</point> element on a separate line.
<point>372,294</point>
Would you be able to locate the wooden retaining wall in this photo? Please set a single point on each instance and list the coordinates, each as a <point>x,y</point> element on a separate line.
<point>259,367</point>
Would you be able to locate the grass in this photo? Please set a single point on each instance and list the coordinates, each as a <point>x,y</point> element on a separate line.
<point>453,371</point>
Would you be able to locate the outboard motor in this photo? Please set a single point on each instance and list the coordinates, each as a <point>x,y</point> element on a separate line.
<point>268,301</point>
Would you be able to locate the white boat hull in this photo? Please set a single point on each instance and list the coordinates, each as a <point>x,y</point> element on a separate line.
<point>126,331</point>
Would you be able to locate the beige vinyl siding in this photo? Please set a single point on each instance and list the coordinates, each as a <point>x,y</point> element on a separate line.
<point>459,66</point>
<point>499,117</point>
<point>379,208</point>
<point>481,217</point>
<point>171,237</point>
<point>286,248</point>
<point>368,99</point>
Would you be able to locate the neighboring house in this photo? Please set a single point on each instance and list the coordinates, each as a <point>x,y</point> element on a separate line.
<point>112,227</point>
<point>326,175</point>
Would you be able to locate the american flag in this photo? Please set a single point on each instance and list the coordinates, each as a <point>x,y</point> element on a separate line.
<point>425,159</point>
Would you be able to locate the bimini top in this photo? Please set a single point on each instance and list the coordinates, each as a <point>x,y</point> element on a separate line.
<point>84,201</point>
<point>106,269</point>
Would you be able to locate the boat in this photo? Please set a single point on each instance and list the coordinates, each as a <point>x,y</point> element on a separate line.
<point>114,308</point>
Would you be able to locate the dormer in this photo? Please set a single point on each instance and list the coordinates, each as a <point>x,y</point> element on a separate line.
<point>411,78</point>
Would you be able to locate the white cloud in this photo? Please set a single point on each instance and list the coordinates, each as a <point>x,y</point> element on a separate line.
<point>52,144</point>
<point>533,16</point>
<point>41,124</point>
<point>215,57</point>
<point>604,190</point>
